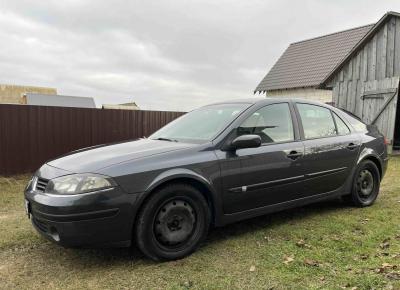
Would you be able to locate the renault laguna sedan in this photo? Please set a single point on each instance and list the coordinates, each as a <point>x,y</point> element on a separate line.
<point>213,166</point>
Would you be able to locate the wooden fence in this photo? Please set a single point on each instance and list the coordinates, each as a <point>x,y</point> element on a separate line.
<point>31,135</point>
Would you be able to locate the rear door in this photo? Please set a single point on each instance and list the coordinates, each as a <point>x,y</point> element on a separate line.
<point>331,149</point>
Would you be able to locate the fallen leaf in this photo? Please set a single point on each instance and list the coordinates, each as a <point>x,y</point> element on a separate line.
<point>322,279</point>
<point>389,287</point>
<point>336,238</point>
<point>393,276</point>
<point>252,268</point>
<point>390,266</point>
<point>288,259</point>
<point>364,221</point>
<point>310,262</point>
<point>358,232</point>
<point>188,284</point>
<point>345,286</point>
<point>268,239</point>
<point>385,244</point>
<point>379,270</point>
<point>383,254</point>
<point>302,244</point>
<point>364,256</point>
<point>384,267</point>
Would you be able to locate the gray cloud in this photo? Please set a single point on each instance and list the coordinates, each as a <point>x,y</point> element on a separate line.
<point>165,55</point>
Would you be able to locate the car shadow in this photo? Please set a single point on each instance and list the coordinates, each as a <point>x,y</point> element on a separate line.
<point>216,235</point>
<point>274,220</point>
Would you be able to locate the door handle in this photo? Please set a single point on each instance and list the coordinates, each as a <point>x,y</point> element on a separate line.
<point>351,146</point>
<point>294,154</point>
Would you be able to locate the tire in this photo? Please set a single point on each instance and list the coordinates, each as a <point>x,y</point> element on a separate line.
<point>366,183</point>
<point>172,223</point>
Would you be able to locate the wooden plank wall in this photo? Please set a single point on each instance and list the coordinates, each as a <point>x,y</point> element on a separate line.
<point>370,77</point>
<point>30,135</point>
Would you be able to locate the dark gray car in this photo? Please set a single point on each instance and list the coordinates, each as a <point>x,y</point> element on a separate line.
<point>213,166</point>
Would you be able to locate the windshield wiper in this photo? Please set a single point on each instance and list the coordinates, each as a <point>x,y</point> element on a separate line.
<point>166,139</point>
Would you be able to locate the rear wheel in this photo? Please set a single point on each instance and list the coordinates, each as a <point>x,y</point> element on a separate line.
<point>172,223</point>
<point>365,184</point>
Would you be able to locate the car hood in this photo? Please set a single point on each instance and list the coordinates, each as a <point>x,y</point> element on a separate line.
<point>95,158</point>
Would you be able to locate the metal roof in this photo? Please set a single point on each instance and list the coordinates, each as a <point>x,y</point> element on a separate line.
<point>59,101</point>
<point>307,63</point>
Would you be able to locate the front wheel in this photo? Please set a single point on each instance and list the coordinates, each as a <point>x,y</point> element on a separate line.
<point>172,223</point>
<point>366,184</point>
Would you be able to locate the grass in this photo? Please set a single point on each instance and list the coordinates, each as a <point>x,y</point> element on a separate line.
<point>322,246</point>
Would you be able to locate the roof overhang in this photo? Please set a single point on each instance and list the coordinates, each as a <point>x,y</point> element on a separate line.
<point>360,44</point>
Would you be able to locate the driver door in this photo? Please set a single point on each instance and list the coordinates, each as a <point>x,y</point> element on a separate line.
<point>269,174</point>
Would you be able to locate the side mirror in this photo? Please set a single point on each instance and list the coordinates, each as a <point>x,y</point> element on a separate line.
<point>246,141</point>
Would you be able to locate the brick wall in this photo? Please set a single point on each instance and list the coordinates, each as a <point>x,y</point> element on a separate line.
<point>304,93</point>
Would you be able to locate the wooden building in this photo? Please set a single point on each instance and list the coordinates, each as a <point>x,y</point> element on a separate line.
<point>366,82</point>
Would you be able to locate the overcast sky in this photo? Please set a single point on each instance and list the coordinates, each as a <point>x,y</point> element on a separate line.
<point>164,55</point>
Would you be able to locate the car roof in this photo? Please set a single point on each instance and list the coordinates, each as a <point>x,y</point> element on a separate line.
<point>252,101</point>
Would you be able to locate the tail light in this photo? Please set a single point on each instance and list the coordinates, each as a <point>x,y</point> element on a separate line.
<point>386,141</point>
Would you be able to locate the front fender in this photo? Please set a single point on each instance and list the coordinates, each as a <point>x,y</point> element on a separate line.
<point>183,173</point>
<point>177,173</point>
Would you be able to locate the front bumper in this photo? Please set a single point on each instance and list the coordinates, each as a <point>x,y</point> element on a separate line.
<point>100,218</point>
<point>385,162</point>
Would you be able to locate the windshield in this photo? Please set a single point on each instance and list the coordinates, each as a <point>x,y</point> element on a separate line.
<point>200,125</point>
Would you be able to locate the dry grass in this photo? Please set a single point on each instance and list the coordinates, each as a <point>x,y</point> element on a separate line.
<point>322,246</point>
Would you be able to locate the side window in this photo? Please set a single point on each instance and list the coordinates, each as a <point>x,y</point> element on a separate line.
<point>273,123</point>
<point>317,121</point>
<point>342,128</point>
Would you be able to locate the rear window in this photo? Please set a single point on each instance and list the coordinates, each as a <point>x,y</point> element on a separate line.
<point>317,121</point>
<point>355,123</point>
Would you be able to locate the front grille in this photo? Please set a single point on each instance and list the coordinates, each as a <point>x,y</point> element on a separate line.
<point>41,184</point>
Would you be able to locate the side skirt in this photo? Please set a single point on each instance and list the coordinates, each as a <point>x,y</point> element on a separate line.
<point>231,218</point>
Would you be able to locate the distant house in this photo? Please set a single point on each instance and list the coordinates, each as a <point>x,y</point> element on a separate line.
<point>304,65</point>
<point>125,106</point>
<point>58,101</point>
<point>13,94</point>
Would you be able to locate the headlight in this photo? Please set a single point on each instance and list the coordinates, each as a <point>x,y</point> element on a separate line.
<point>78,183</point>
